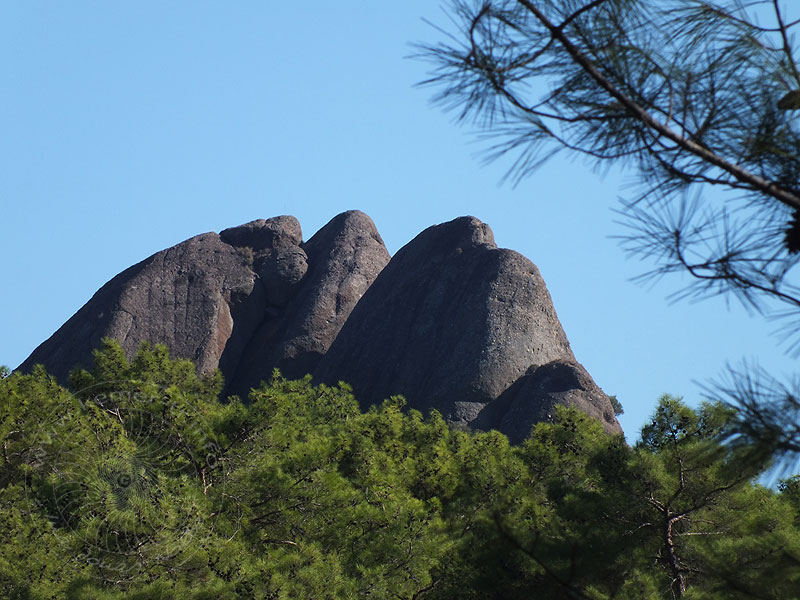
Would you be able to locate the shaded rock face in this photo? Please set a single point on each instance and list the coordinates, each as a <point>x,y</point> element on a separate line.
<point>452,322</point>
<point>247,300</point>
<point>344,258</point>
<point>534,396</point>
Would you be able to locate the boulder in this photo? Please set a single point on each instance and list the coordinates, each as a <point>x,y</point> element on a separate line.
<point>534,396</point>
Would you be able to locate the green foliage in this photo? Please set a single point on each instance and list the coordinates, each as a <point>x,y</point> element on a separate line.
<point>617,405</point>
<point>719,531</point>
<point>138,483</point>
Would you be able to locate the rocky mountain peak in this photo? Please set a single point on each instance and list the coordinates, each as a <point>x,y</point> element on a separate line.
<point>263,234</point>
<point>452,322</point>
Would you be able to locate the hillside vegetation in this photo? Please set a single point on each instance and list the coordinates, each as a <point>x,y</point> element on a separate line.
<point>137,482</point>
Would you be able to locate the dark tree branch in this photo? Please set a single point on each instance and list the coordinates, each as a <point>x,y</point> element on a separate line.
<point>687,92</point>
<point>766,187</point>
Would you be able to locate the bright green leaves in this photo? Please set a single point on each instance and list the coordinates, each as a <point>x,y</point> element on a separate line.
<point>140,484</point>
<point>713,530</point>
<point>312,476</point>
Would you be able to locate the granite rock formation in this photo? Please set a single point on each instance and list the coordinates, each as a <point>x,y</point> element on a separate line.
<point>253,298</point>
<point>344,258</point>
<point>452,322</point>
<point>534,396</point>
<point>185,297</point>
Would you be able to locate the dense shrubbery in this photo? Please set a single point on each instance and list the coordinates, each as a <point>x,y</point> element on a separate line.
<point>138,483</point>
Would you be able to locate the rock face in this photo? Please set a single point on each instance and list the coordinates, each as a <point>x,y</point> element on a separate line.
<point>247,300</point>
<point>185,297</point>
<point>343,258</point>
<point>452,322</point>
<point>533,397</point>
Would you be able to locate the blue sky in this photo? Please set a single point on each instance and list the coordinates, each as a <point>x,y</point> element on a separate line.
<point>129,127</point>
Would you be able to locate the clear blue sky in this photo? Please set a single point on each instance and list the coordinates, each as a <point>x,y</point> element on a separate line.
<point>129,127</point>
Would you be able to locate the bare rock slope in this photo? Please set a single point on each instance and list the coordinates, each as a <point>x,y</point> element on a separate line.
<point>452,322</point>
<point>253,298</point>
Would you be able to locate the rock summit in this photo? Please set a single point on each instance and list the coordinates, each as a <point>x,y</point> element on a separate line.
<point>451,322</point>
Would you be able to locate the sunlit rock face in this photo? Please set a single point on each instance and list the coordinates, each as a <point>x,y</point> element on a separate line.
<point>247,300</point>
